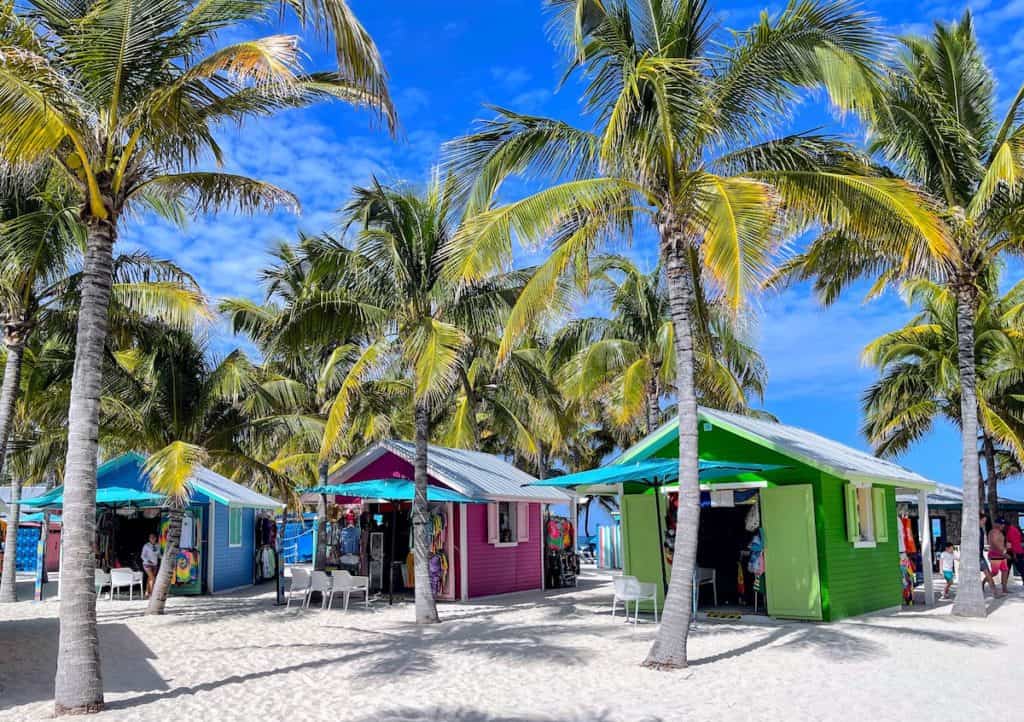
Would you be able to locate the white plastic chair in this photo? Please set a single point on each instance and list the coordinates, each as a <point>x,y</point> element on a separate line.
<point>121,578</point>
<point>102,580</point>
<point>319,582</point>
<point>707,576</point>
<point>344,583</point>
<point>300,584</point>
<point>630,589</point>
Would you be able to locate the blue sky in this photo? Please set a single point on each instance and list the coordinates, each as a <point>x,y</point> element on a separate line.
<point>448,59</point>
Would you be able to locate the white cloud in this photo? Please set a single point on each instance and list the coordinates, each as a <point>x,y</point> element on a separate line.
<point>294,150</point>
<point>813,351</point>
<point>510,78</point>
<point>410,101</point>
<point>531,101</point>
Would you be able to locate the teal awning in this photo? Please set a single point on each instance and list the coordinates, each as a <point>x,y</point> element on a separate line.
<point>107,496</point>
<point>657,472</point>
<point>392,490</point>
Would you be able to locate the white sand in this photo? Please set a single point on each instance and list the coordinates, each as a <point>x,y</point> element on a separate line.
<point>520,658</point>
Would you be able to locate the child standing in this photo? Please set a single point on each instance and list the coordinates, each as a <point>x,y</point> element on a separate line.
<point>947,563</point>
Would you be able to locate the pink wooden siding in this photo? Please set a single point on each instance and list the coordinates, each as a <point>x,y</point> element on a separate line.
<point>498,570</point>
<point>388,466</point>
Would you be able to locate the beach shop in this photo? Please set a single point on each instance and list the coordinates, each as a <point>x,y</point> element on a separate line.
<point>791,522</point>
<point>488,527</point>
<point>227,532</point>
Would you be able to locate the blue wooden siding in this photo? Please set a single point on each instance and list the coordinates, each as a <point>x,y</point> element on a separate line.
<point>232,566</point>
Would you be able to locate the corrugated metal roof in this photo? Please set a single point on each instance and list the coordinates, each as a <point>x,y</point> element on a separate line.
<point>27,492</point>
<point>948,494</point>
<point>816,450</point>
<point>471,473</point>
<point>800,444</point>
<point>229,492</point>
<point>204,480</point>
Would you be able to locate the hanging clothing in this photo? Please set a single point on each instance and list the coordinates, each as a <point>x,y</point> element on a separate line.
<point>187,532</point>
<point>909,543</point>
<point>410,566</point>
<point>350,540</point>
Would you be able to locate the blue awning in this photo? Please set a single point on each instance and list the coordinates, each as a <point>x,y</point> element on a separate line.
<point>651,473</point>
<point>108,496</point>
<point>392,490</point>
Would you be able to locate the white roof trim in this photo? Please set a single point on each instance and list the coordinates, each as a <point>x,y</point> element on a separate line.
<point>223,490</point>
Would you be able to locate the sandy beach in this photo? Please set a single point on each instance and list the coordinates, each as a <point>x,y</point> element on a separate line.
<point>519,658</point>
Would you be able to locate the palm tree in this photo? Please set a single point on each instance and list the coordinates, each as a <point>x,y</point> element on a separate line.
<point>185,410</point>
<point>124,96</point>
<point>920,379</point>
<point>683,142</point>
<point>500,407</point>
<point>36,236</point>
<point>628,360</point>
<point>424,322</point>
<point>938,126</point>
<point>311,329</point>
<point>41,243</point>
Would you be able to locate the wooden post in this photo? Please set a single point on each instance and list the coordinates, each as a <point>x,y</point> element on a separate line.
<point>924,525</point>
<point>44,534</point>
<point>574,518</point>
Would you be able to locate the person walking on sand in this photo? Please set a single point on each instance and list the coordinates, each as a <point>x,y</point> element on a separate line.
<point>997,565</point>
<point>947,564</point>
<point>150,562</point>
<point>1015,547</point>
<point>983,562</point>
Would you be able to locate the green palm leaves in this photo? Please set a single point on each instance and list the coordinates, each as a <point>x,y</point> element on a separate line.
<point>674,126</point>
<point>920,375</point>
<point>125,90</point>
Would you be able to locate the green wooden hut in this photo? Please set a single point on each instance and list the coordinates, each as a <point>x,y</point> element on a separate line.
<point>827,513</point>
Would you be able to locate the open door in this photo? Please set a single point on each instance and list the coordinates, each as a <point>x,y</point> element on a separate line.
<point>791,552</point>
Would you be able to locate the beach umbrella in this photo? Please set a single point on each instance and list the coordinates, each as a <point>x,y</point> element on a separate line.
<point>107,496</point>
<point>392,490</point>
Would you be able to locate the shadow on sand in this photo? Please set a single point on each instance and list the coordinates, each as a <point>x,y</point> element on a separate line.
<point>465,714</point>
<point>28,649</point>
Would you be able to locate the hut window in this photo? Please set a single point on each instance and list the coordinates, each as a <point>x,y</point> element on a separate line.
<point>234,527</point>
<point>860,515</point>
<point>506,522</point>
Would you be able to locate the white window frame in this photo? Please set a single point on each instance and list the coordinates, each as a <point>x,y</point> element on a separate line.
<point>232,524</point>
<point>866,504</point>
<point>513,510</point>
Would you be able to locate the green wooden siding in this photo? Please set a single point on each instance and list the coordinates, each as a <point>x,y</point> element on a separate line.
<point>856,580</point>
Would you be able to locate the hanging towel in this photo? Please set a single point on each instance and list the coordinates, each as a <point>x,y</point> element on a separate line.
<point>410,564</point>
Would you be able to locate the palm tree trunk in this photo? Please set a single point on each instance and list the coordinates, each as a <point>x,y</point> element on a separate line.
<point>669,648</point>
<point>426,607</point>
<point>970,601</point>
<point>653,406</point>
<point>8,395</point>
<point>164,576</point>
<point>989,451</point>
<point>78,686</point>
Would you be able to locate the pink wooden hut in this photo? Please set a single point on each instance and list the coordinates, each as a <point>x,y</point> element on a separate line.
<point>496,547</point>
